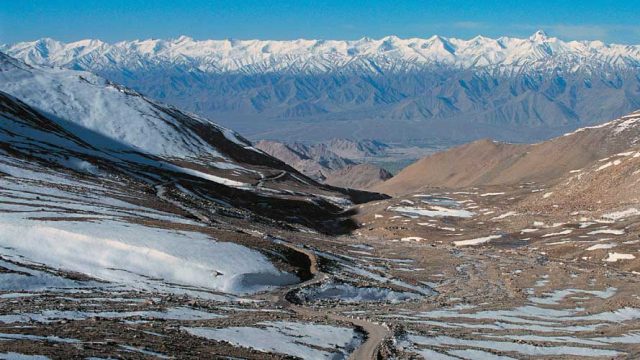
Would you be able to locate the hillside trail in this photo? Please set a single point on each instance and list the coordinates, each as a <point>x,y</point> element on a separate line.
<point>376,333</point>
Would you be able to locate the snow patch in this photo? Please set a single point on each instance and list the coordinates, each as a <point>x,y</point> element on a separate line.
<point>614,256</point>
<point>622,214</point>
<point>304,340</point>
<point>138,256</point>
<point>476,241</point>
<point>505,215</point>
<point>606,231</point>
<point>492,194</point>
<point>601,246</point>
<point>433,211</point>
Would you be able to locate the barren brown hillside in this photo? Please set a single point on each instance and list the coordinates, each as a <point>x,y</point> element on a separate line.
<point>608,184</point>
<point>489,163</point>
<point>359,176</point>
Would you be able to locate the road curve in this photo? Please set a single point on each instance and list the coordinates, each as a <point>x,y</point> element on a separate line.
<point>376,333</point>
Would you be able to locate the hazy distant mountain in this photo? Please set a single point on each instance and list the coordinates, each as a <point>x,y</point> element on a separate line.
<point>334,162</point>
<point>398,90</point>
<point>314,161</point>
<point>360,176</point>
<point>355,150</point>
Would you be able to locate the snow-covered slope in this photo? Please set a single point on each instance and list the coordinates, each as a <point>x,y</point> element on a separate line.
<point>94,104</point>
<point>79,121</point>
<point>67,207</point>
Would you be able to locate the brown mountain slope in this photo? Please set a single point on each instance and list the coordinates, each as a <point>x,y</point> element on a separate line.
<point>606,185</point>
<point>314,162</point>
<point>462,166</point>
<point>361,176</point>
<point>488,163</point>
<point>322,164</point>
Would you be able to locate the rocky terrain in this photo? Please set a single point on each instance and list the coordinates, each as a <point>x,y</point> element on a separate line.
<point>412,91</point>
<point>315,161</point>
<point>335,162</point>
<point>132,229</point>
<point>360,176</point>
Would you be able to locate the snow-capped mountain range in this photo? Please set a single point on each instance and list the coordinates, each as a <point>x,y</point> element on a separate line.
<point>389,54</point>
<point>397,90</point>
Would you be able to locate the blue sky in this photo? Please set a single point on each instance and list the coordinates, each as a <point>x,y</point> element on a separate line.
<point>114,20</point>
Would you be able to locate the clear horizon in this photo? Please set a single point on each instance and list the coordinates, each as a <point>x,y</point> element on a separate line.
<point>119,20</point>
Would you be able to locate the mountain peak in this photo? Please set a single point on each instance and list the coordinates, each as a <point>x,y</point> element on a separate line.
<point>46,41</point>
<point>438,38</point>
<point>183,39</point>
<point>539,35</point>
<point>390,38</point>
<point>87,43</point>
<point>45,45</point>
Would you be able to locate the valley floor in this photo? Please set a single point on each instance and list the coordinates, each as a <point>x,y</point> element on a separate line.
<point>440,274</point>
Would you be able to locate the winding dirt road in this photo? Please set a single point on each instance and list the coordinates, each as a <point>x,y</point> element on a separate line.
<point>376,333</point>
